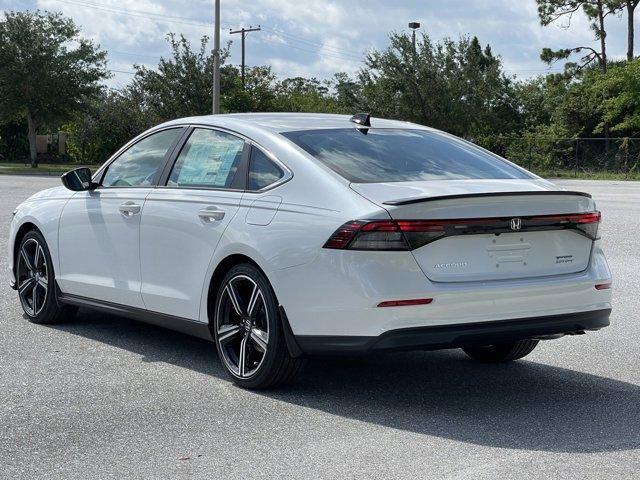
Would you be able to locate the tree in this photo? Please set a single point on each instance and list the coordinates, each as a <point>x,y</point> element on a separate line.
<point>300,94</point>
<point>621,108</point>
<point>111,120</point>
<point>348,93</point>
<point>257,95</point>
<point>596,10</point>
<point>48,71</point>
<point>455,86</point>
<point>630,7</point>
<point>181,85</point>
<point>13,140</point>
<point>550,11</point>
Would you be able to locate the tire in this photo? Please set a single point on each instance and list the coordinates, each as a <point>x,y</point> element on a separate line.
<point>248,332</point>
<point>36,282</point>
<point>501,352</point>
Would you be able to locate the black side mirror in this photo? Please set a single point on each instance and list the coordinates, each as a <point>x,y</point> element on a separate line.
<point>78,180</point>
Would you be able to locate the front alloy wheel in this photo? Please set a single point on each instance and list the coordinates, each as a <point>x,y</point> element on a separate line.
<point>36,282</point>
<point>248,330</point>
<point>33,277</point>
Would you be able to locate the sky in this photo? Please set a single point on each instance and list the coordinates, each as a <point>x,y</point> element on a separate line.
<point>319,37</point>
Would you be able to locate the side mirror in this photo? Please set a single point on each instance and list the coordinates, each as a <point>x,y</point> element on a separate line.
<point>78,180</point>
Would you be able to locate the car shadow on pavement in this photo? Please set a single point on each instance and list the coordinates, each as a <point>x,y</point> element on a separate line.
<point>521,405</point>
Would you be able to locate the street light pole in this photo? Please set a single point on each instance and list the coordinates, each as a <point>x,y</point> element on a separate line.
<point>216,60</point>
<point>414,26</point>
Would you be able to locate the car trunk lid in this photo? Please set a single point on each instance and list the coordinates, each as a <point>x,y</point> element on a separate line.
<point>491,229</point>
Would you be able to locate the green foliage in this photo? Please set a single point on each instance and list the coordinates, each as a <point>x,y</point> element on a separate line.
<point>455,86</point>
<point>303,95</point>
<point>110,121</point>
<point>13,141</point>
<point>550,11</point>
<point>538,98</point>
<point>48,71</point>
<point>621,105</point>
<point>258,94</point>
<point>181,85</point>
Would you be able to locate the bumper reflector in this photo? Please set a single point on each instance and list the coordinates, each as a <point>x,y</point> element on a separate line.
<point>406,303</point>
<point>603,286</point>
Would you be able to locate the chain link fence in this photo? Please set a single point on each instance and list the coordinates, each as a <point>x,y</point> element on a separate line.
<point>572,157</point>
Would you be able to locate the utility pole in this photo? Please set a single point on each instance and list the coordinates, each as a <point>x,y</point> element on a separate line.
<point>243,34</point>
<point>216,60</point>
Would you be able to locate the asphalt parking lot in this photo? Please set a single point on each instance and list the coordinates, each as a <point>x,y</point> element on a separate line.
<point>105,397</point>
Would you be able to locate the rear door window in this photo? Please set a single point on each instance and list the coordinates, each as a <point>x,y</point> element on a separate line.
<point>209,159</point>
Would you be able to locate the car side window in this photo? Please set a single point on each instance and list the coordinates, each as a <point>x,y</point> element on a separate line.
<point>138,165</point>
<point>209,159</point>
<point>262,170</point>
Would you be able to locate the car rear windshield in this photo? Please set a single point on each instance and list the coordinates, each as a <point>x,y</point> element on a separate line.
<point>401,155</point>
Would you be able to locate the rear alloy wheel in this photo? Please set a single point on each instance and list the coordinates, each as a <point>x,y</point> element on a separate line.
<point>36,283</point>
<point>248,331</point>
<point>501,352</point>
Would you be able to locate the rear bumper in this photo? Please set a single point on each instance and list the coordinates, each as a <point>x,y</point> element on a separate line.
<point>459,335</point>
<point>339,292</point>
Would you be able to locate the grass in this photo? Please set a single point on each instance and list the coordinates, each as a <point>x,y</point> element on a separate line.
<point>52,169</point>
<point>568,174</point>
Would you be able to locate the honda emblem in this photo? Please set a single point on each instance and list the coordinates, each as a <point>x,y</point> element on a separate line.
<point>516,224</point>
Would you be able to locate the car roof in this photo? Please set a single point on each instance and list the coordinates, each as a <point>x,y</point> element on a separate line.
<point>286,122</point>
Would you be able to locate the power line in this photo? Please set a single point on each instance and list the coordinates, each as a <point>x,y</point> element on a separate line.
<point>506,70</point>
<point>528,70</point>
<point>320,49</point>
<point>157,57</point>
<point>139,13</point>
<point>317,52</point>
<point>193,21</point>
<point>310,42</point>
<point>183,20</point>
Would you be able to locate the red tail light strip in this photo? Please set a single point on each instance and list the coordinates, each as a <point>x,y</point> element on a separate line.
<point>411,234</point>
<point>538,221</point>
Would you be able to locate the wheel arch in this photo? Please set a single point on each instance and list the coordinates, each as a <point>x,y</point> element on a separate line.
<point>215,281</point>
<point>219,272</point>
<point>25,228</point>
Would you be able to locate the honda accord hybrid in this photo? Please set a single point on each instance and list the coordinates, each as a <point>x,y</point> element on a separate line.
<point>282,236</point>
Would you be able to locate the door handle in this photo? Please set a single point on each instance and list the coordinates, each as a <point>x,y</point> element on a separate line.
<point>129,209</point>
<point>211,214</point>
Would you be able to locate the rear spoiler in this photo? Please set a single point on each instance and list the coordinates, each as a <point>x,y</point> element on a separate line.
<point>409,201</point>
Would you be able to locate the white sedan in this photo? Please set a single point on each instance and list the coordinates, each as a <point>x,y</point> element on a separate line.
<point>280,236</point>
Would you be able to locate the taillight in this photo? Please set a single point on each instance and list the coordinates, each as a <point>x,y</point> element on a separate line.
<point>390,235</point>
<point>395,235</point>
<point>587,223</point>
<point>362,235</point>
